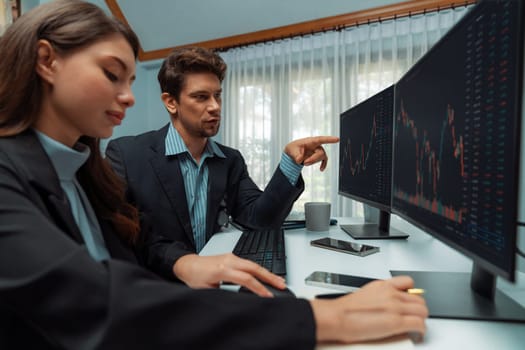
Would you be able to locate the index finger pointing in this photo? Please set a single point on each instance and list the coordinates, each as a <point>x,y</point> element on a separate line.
<point>326,139</point>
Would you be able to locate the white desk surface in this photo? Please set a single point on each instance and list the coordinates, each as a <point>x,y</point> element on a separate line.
<point>419,252</point>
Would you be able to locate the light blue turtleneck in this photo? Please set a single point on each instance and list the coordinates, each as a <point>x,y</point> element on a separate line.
<point>66,162</point>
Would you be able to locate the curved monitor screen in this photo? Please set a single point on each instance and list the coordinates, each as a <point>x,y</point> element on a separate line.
<point>456,137</point>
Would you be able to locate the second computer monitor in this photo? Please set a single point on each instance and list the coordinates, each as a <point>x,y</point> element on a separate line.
<point>365,161</point>
<point>456,157</point>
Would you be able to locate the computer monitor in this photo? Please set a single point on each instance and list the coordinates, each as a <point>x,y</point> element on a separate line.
<point>365,162</point>
<point>457,125</point>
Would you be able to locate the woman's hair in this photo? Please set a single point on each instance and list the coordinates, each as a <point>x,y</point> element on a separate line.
<point>68,25</point>
<point>181,61</point>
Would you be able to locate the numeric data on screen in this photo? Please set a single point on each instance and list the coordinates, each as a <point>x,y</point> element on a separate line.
<point>455,141</point>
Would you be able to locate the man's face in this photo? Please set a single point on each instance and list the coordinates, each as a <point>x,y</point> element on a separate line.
<point>198,111</point>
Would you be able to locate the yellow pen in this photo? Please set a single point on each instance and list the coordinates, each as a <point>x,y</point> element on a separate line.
<point>416,291</point>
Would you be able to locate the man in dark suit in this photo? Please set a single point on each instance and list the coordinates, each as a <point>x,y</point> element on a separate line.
<point>186,185</point>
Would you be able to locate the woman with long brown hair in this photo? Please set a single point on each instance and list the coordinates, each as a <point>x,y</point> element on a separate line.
<point>68,275</point>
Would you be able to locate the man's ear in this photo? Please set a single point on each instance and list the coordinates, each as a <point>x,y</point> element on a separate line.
<point>169,102</point>
<point>46,61</point>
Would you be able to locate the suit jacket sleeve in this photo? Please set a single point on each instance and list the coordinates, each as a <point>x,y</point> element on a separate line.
<point>254,208</point>
<point>50,284</point>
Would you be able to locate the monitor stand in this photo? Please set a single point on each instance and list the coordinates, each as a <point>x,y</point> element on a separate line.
<point>382,230</point>
<point>452,295</point>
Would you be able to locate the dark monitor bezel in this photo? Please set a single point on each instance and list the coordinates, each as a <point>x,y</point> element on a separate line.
<point>477,259</point>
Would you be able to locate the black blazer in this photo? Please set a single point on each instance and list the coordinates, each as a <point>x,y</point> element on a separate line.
<point>155,185</point>
<point>53,295</point>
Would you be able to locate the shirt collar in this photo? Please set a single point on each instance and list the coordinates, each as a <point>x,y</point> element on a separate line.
<point>65,160</point>
<point>175,145</point>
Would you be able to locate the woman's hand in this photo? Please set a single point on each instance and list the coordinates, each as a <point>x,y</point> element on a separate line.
<point>378,310</point>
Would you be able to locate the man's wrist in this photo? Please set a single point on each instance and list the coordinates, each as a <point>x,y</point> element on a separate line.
<point>290,168</point>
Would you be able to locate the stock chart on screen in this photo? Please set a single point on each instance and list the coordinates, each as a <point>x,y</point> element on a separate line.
<point>455,137</point>
<point>365,170</point>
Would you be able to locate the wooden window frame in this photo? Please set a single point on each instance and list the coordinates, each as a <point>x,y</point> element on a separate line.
<point>387,12</point>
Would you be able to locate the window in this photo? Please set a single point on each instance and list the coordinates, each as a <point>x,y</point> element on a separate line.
<point>288,89</point>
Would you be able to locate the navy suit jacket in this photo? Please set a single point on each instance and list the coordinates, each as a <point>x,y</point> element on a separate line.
<point>53,295</point>
<point>155,185</point>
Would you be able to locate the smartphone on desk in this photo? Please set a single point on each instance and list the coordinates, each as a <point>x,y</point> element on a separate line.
<point>346,283</point>
<point>345,246</point>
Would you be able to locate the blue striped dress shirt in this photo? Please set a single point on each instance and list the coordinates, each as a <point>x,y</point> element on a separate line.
<point>196,179</point>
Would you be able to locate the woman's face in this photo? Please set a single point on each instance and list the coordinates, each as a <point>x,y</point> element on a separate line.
<point>89,91</point>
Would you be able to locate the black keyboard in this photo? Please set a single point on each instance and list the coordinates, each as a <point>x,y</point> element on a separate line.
<point>265,247</point>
